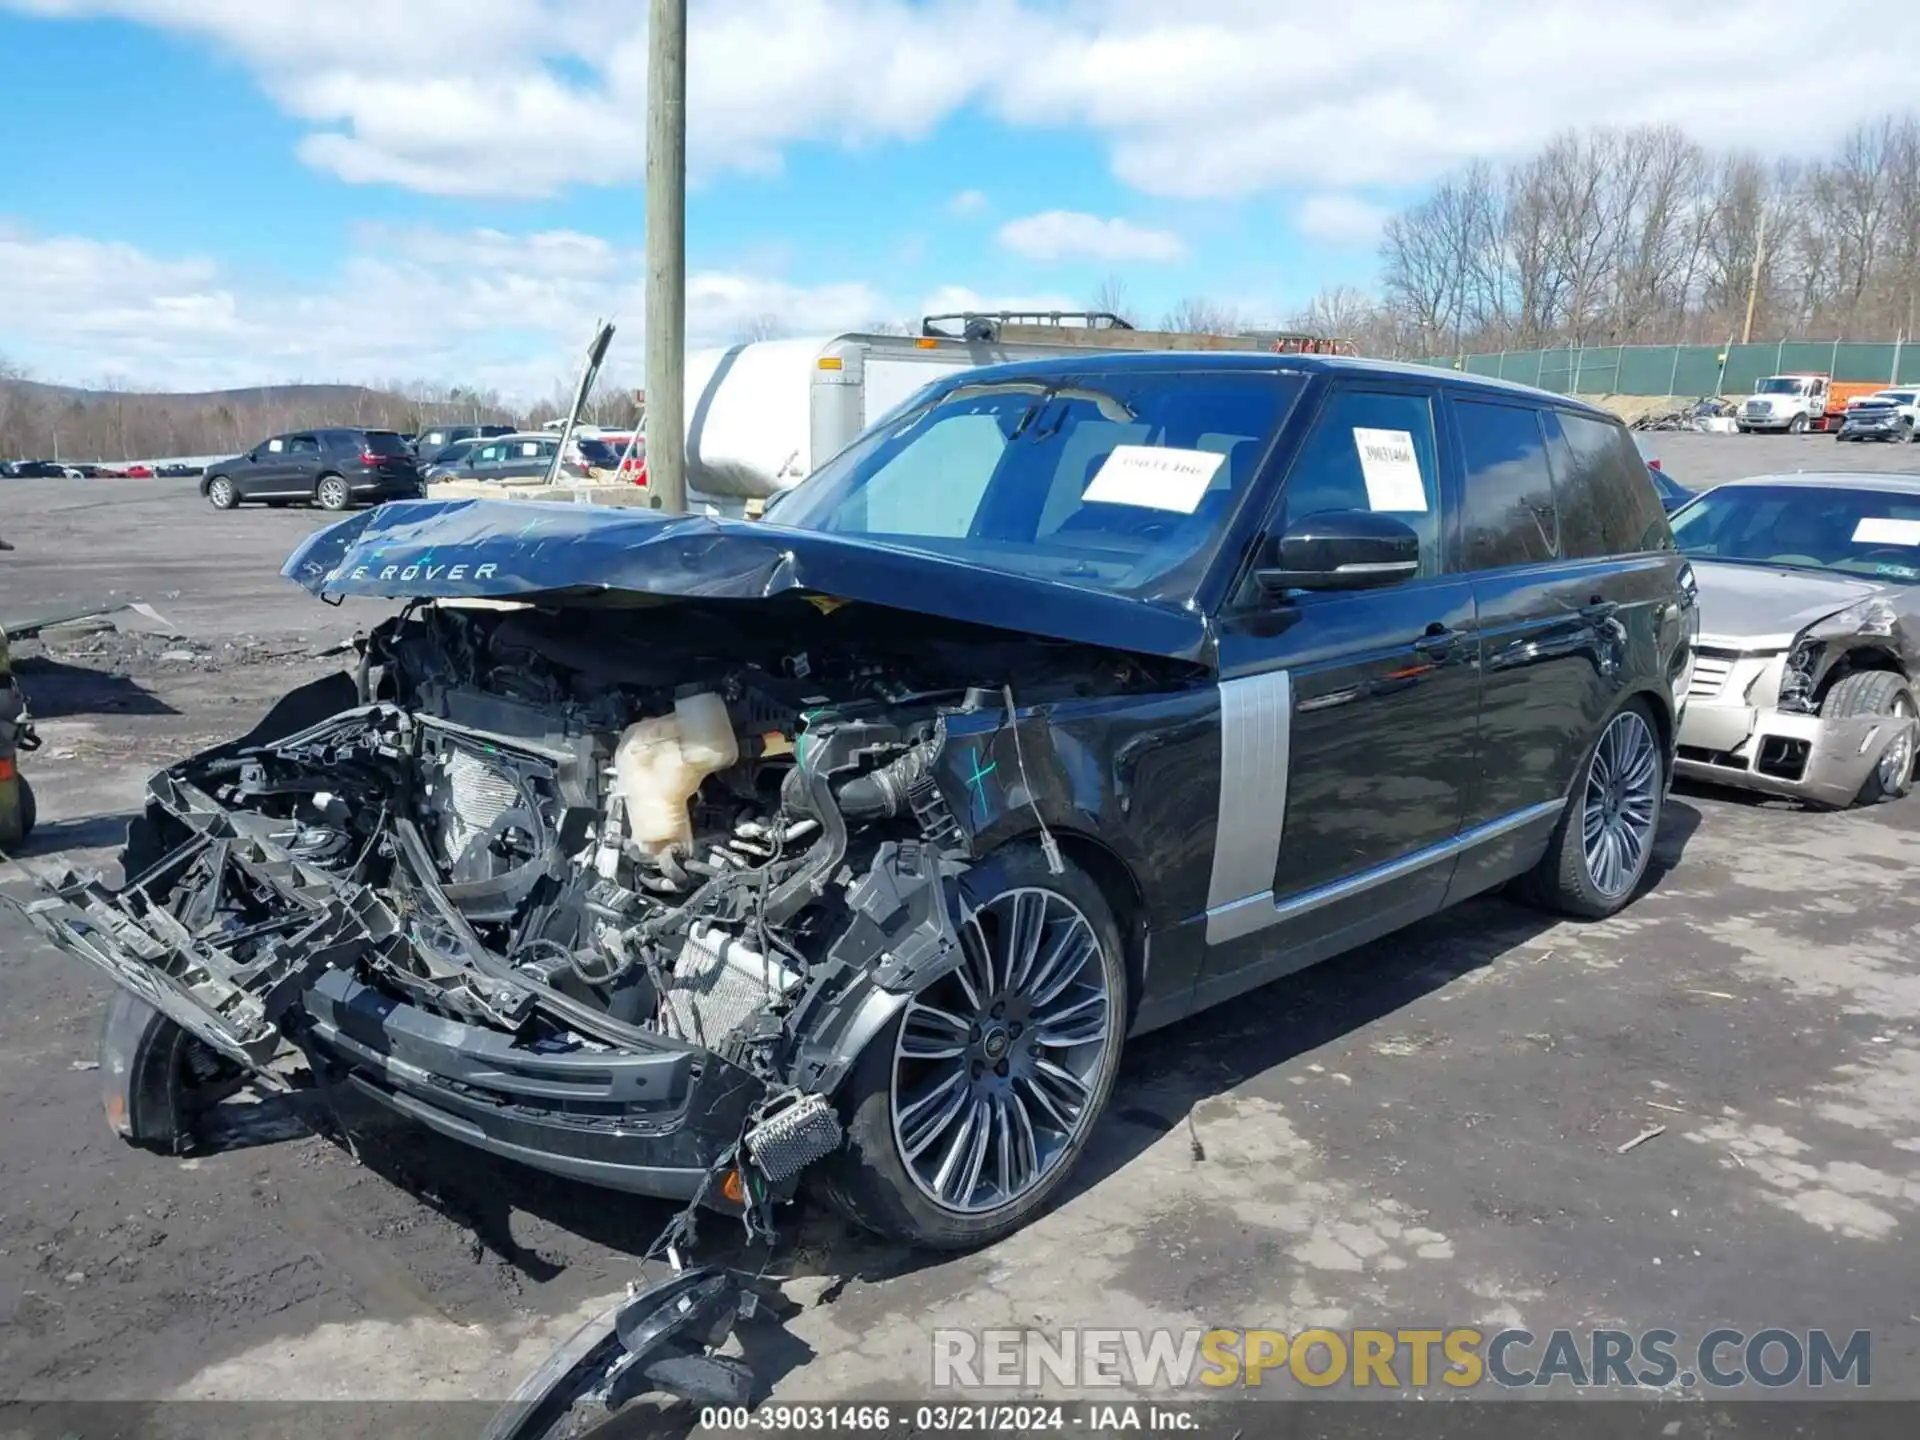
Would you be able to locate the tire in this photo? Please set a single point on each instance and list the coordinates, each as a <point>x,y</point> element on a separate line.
<point>331,493</point>
<point>870,1179</point>
<point>29,808</point>
<point>1876,692</point>
<point>221,494</point>
<point>155,1078</point>
<point>1797,425</point>
<point>1564,880</point>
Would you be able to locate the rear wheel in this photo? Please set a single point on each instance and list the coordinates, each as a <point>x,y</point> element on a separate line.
<point>1601,848</point>
<point>332,493</point>
<point>967,1112</point>
<point>1878,692</point>
<point>221,494</point>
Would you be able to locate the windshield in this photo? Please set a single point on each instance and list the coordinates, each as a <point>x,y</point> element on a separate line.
<point>1119,482</point>
<point>1806,527</point>
<point>1779,385</point>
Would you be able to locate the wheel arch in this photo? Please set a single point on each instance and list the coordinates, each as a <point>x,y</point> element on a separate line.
<point>1854,660</point>
<point>1119,886</point>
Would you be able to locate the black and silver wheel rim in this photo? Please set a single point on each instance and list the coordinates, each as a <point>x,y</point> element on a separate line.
<point>1896,765</point>
<point>997,1064</point>
<point>221,493</point>
<point>333,494</point>
<point>1617,811</point>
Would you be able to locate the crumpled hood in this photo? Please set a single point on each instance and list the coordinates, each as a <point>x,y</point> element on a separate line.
<point>519,550</point>
<point>1752,601</point>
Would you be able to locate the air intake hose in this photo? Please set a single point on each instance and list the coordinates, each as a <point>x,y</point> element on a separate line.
<point>883,792</point>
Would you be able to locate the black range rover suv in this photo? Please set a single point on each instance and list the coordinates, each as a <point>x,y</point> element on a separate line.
<point>1074,697</point>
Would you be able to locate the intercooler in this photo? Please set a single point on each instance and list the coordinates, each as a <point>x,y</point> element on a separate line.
<point>717,986</point>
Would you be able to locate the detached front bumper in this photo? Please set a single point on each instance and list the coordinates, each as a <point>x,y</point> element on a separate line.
<point>647,1122</point>
<point>649,1115</point>
<point>1801,756</point>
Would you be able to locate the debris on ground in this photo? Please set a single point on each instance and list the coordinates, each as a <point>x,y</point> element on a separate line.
<point>1641,1139</point>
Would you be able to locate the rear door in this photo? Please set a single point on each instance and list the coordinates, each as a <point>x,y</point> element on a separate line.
<point>1348,718</point>
<point>305,460</point>
<point>1573,574</point>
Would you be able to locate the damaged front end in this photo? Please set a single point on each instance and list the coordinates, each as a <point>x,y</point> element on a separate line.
<point>619,892</point>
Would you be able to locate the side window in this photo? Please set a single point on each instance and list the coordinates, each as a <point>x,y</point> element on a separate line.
<point>933,489</point>
<point>1607,502</point>
<point>1371,450</point>
<point>1507,512</point>
<point>489,455</point>
<point>304,445</point>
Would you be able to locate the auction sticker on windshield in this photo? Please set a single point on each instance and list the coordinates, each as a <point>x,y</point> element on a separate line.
<point>1392,470</point>
<point>1880,530</point>
<point>1155,477</point>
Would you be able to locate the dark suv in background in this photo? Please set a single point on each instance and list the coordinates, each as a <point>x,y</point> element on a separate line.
<point>429,444</point>
<point>333,468</point>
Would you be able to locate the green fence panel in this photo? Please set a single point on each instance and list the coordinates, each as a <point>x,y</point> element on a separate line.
<point>1689,370</point>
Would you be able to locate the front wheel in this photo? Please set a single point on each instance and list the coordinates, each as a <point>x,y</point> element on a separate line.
<point>967,1112</point>
<point>1604,841</point>
<point>221,494</point>
<point>1797,425</point>
<point>332,493</point>
<point>1878,692</point>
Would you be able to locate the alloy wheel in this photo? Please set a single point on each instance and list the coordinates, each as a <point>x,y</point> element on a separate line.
<point>333,493</point>
<point>1618,808</point>
<point>997,1063</point>
<point>1896,765</point>
<point>221,494</point>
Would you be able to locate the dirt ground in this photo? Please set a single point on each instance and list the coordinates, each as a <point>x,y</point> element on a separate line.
<point>1427,1131</point>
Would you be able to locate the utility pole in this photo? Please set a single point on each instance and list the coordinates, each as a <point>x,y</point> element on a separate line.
<point>667,254</point>
<point>1753,286</point>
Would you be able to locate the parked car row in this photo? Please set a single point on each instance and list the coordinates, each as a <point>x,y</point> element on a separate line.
<point>61,470</point>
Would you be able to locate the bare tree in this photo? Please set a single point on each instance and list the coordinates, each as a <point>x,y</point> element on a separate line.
<point>764,326</point>
<point>1196,316</point>
<point>1110,296</point>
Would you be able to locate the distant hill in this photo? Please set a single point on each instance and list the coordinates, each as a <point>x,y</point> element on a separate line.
<point>252,397</point>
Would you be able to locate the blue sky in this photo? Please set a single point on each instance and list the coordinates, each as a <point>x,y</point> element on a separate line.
<point>201,192</point>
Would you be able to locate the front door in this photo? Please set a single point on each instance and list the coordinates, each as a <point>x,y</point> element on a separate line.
<point>1348,718</point>
<point>266,470</point>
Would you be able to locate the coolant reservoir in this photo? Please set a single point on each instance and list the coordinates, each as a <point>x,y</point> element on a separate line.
<point>660,762</point>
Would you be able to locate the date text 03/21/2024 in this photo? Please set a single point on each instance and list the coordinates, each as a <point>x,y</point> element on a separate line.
<point>982,1419</point>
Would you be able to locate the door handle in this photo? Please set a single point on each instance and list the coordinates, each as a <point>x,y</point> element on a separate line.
<point>1437,639</point>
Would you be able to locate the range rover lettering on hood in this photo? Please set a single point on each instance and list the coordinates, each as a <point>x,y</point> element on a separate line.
<point>503,549</point>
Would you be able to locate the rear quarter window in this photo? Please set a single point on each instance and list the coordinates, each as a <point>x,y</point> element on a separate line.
<point>1602,490</point>
<point>386,442</point>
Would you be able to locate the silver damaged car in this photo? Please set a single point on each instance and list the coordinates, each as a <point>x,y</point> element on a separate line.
<point>1808,659</point>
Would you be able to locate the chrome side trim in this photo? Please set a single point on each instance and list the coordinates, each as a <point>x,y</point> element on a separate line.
<point>1256,730</point>
<point>1257,912</point>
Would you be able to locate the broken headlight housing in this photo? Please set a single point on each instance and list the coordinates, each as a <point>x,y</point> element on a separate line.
<point>1872,616</point>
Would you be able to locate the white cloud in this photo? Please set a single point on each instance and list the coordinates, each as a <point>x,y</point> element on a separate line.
<point>1211,98</point>
<point>956,299</point>
<point>968,202</point>
<point>1071,235</point>
<point>478,307</point>
<point>1340,219</point>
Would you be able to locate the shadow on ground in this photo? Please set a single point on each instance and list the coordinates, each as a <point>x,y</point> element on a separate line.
<point>57,690</point>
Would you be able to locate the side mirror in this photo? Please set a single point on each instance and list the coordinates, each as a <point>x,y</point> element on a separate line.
<point>1340,550</point>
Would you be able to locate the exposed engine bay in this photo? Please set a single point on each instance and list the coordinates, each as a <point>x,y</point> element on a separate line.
<point>553,837</point>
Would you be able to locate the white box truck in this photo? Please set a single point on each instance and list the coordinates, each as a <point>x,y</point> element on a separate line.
<point>763,416</point>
